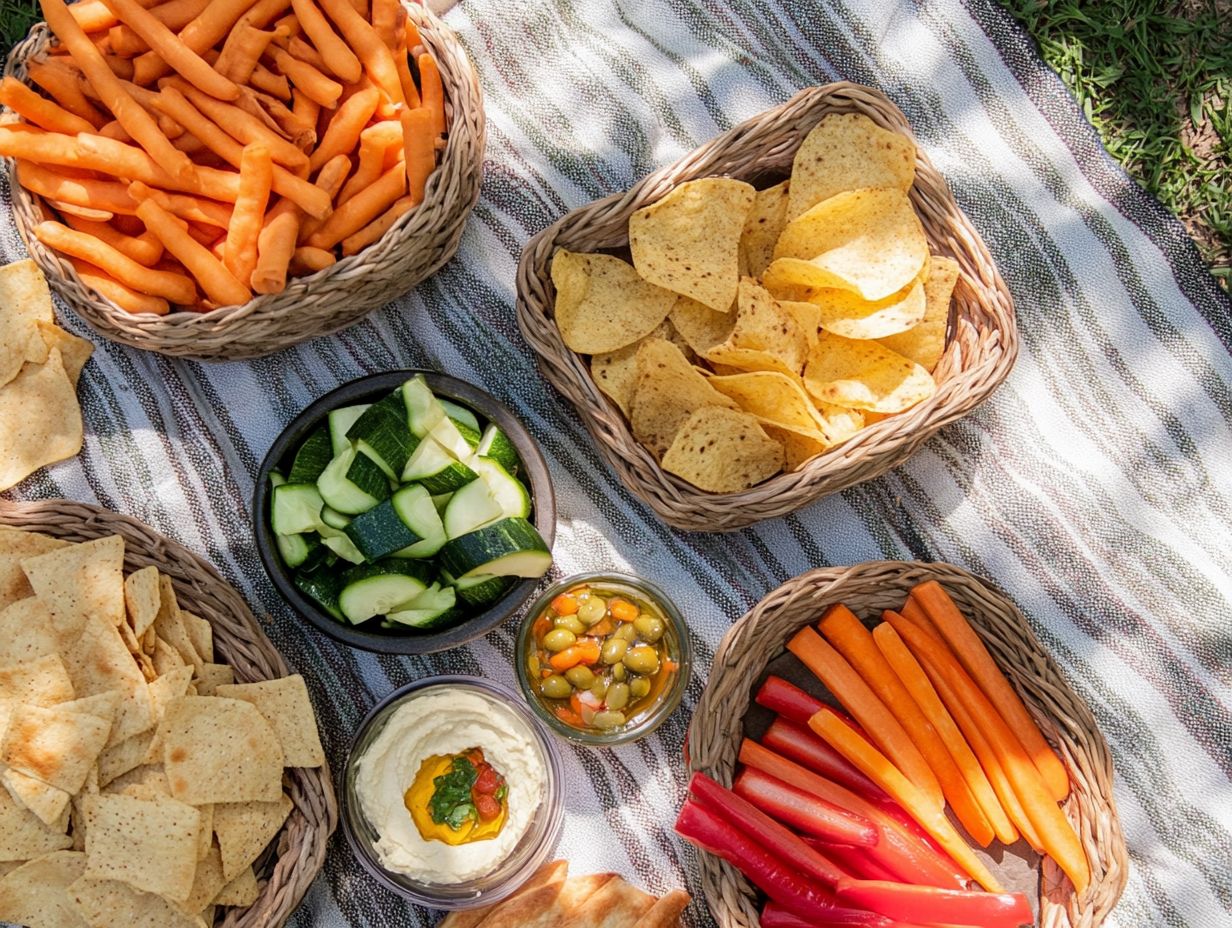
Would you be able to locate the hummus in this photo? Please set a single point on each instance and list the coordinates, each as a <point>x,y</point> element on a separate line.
<point>445,722</point>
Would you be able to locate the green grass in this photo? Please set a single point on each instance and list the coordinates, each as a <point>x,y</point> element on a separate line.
<point>16,18</point>
<point>1155,79</point>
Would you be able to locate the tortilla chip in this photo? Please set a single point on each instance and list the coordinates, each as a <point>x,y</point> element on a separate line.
<point>723,450</point>
<point>773,398</point>
<point>26,301</point>
<point>806,315</point>
<point>616,904</point>
<point>151,844</point>
<point>54,746</point>
<point>285,705</point>
<point>16,546</point>
<point>211,676</point>
<point>689,241</point>
<point>40,682</point>
<point>602,304</point>
<point>845,313</point>
<point>26,632</point>
<point>74,351</point>
<point>220,750</point>
<point>98,663</point>
<point>700,326</point>
<point>865,375</point>
<point>245,828</point>
<point>36,893</point>
<point>46,801</point>
<point>119,759</point>
<point>147,777</point>
<point>162,691</point>
<point>200,635</point>
<point>23,836</point>
<point>666,910</point>
<point>79,581</point>
<point>166,658</point>
<point>668,390</point>
<point>142,599</point>
<point>40,421</point>
<point>727,360</point>
<point>243,889</point>
<point>169,624</point>
<point>848,152</point>
<point>107,903</point>
<point>615,372</point>
<point>925,343</point>
<point>869,241</point>
<point>207,883</point>
<point>763,325</point>
<point>762,228</point>
<point>798,447</point>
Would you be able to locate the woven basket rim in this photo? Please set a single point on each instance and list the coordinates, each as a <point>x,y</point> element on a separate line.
<point>979,353</point>
<point>298,852</point>
<point>759,637</point>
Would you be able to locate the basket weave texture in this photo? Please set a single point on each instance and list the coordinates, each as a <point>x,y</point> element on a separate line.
<point>331,299</point>
<point>760,635</point>
<point>297,854</point>
<point>982,340</point>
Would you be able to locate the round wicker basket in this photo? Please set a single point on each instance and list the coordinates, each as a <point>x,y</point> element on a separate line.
<point>287,870</point>
<point>318,304</point>
<point>717,727</point>
<point>982,341</point>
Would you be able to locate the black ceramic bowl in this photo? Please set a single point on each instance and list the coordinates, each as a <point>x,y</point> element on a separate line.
<point>399,641</point>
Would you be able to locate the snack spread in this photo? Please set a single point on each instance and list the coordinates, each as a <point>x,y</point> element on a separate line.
<point>756,329</point>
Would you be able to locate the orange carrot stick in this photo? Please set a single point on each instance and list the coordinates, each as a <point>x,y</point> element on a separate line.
<point>402,62</point>
<point>60,81</point>
<point>108,195</point>
<point>385,21</point>
<point>256,174</point>
<point>357,242</point>
<point>205,31</point>
<point>265,80</point>
<point>44,113</point>
<point>241,52</point>
<point>848,634</point>
<point>368,46</point>
<point>144,249</point>
<point>276,247</point>
<point>175,287</point>
<point>342,133</point>
<point>373,143</point>
<point>335,53</point>
<point>841,680</point>
<point>307,260</point>
<point>847,741</point>
<point>187,207</point>
<point>913,613</point>
<point>306,78</point>
<point>419,146</point>
<point>433,92</point>
<point>970,651</point>
<point>218,284</point>
<point>360,209</point>
<point>128,299</point>
<point>174,14</point>
<point>245,127</point>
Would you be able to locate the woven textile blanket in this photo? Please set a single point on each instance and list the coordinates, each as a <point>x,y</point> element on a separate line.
<point>1094,487</point>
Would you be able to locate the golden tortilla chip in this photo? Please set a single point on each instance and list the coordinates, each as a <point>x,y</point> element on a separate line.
<point>200,635</point>
<point>26,632</point>
<point>870,241</point>
<point>772,397</point>
<point>142,599</point>
<point>602,304</point>
<point>26,301</point>
<point>668,390</point>
<point>54,746</point>
<point>16,546</point>
<point>36,893</point>
<point>99,662</point>
<point>763,325</point>
<point>285,704</point>
<point>79,581</point>
<point>723,450</point>
<point>845,313</point>
<point>40,421</point>
<point>689,241</point>
<point>127,755</point>
<point>169,686</point>
<point>150,844</point>
<point>44,800</point>
<point>23,836</point>
<point>211,676</point>
<point>615,372</point>
<point>848,152</point>
<point>241,891</point>
<point>108,903</point>
<point>220,750</point>
<point>208,882</point>
<point>762,228</point>
<point>170,626</point>
<point>245,828</point>
<point>806,315</point>
<point>865,375</point>
<point>701,327</point>
<point>74,351</point>
<point>925,343</point>
<point>726,360</point>
<point>167,658</point>
<point>146,776</point>
<point>798,447</point>
<point>43,681</point>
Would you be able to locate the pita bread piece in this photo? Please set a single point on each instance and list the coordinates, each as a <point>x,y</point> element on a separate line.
<point>40,420</point>
<point>109,903</point>
<point>36,893</point>
<point>150,844</point>
<point>552,872</point>
<point>54,746</point>
<point>847,152</point>
<point>285,705</point>
<point>47,802</point>
<point>169,686</point>
<point>23,836</point>
<point>669,389</point>
<point>615,904</point>
<point>25,301</point>
<point>531,908</point>
<point>26,632</point>
<point>602,304</point>
<point>79,581</point>
<point>43,681</point>
<point>666,911</point>
<point>15,546</point>
<point>220,750</point>
<point>245,828</point>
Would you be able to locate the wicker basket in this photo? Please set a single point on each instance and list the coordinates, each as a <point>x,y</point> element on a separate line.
<point>982,344</point>
<point>717,727</point>
<point>320,303</point>
<point>288,869</point>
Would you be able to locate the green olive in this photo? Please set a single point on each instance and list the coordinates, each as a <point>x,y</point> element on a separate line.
<point>639,687</point>
<point>608,719</point>
<point>556,687</point>
<point>613,650</point>
<point>626,633</point>
<point>558,639</point>
<point>617,696</point>
<point>592,611</point>
<point>649,629</point>
<point>581,677</point>
<point>643,659</point>
<point>618,672</point>
<point>598,689</point>
<point>571,623</point>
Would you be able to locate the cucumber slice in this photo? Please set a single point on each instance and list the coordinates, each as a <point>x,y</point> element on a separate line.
<point>341,545</point>
<point>457,439</point>
<point>352,483</point>
<point>333,518</point>
<point>311,457</point>
<point>508,548</point>
<point>414,507</point>
<point>459,414</point>
<point>423,409</point>
<point>340,422</point>
<point>440,501</point>
<point>377,589</point>
<point>434,607</point>
<point>495,444</point>
<point>296,549</point>
<point>482,589</point>
<point>434,467</point>
<point>470,508</point>
<point>321,586</point>
<point>507,490</point>
<point>276,479</point>
<point>295,508</point>
<point>380,531</point>
<point>382,434</point>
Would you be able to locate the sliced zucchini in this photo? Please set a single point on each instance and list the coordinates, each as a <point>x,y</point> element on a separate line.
<point>434,607</point>
<point>434,467</point>
<point>322,586</point>
<point>482,589</point>
<point>440,501</point>
<point>495,444</point>
<point>423,409</point>
<point>380,531</point>
<point>341,545</point>
<point>276,479</point>
<point>334,519</point>
<point>340,422</point>
<point>414,507</point>
<point>508,548</point>
<point>295,508</point>
<point>377,589</point>
<point>352,483</point>
<point>470,508</point>
<point>382,434</point>
<point>311,457</point>
<point>459,414</point>
<point>455,438</point>
<point>509,492</point>
<point>296,549</point>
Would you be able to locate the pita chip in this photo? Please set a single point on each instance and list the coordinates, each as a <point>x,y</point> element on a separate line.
<point>666,911</point>
<point>241,891</point>
<point>285,705</point>
<point>36,893</point>
<point>220,750</point>
<point>142,599</point>
<point>40,682</point>
<point>26,301</point>
<point>79,581</point>
<point>107,903</point>
<point>16,546</point>
<point>245,828</point>
<point>54,746</point>
<point>211,676</point>
<point>151,844</point>
<point>40,420</point>
<point>23,836</point>
<point>616,904</point>
<point>169,624</point>
<point>200,635</point>
<point>207,883</point>
<point>47,802</point>
<point>99,662</point>
<point>26,632</point>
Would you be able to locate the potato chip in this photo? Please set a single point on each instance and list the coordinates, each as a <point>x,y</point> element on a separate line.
<point>36,892</point>
<point>79,581</point>
<point>763,325</point>
<point>870,241</point>
<point>16,546</point>
<point>773,398</point>
<point>689,241</point>
<point>26,301</point>
<point>847,314</point>
<point>602,304</point>
<point>925,343</point>
<point>40,421</point>
<point>107,903</point>
<point>700,326</point>
<point>142,599</point>
<point>742,360</point>
<point>43,681</point>
<point>723,450</point>
<point>848,152</point>
<point>44,800</point>
<point>285,704</point>
<point>220,750</point>
<point>150,844</point>
<point>52,745</point>
<point>668,390</point>
<point>762,228</point>
<point>74,351</point>
<point>241,891</point>
<point>23,836</point>
<point>245,828</point>
<point>615,372</point>
<point>864,375</point>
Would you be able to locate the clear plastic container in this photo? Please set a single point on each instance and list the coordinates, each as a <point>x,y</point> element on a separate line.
<point>522,860</point>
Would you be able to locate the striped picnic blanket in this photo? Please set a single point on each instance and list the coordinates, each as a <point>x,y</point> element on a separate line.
<point>1094,486</point>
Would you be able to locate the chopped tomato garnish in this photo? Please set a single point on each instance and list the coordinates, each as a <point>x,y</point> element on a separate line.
<point>488,806</point>
<point>488,781</point>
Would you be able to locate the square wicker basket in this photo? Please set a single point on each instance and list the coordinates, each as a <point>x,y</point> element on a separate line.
<point>982,340</point>
<point>316,304</point>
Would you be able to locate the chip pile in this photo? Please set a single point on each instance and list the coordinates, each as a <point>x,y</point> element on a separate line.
<point>140,781</point>
<point>756,329</point>
<point>40,419</point>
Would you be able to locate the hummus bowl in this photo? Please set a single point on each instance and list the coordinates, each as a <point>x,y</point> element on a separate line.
<point>415,808</point>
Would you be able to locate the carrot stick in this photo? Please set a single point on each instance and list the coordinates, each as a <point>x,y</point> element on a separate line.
<point>218,284</point>
<point>60,83</point>
<point>306,109</point>
<point>307,54</point>
<point>39,110</point>
<point>419,147</point>
<point>128,299</point>
<point>342,133</point>
<point>384,17</point>
<point>241,52</point>
<point>81,212</point>
<point>276,247</point>
<point>241,125</point>
<point>1056,834</point>
<point>879,769</point>
<point>111,196</point>
<point>175,287</point>
<point>337,56</point>
<point>373,143</point>
<point>144,249</point>
<point>848,634</point>
<point>914,613</point>
<point>841,680</point>
<point>187,207</point>
<point>264,12</point>
<point>116,158</point>
<point>971,652</point>
<point>205,31</point>
<point>174,14</point>
<point>367,45</point>
<point>256,174</point>
<point>912,676</point>
<point>93,15</point>
<point>308,79</point>
<point>357,242</point>
<point>309,260</point>
<point>433,92</point>
<point>263,79</point>
<point>403,63</point>
<point>360,209</point>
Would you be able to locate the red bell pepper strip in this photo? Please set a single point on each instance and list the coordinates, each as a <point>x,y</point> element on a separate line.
<point>804,811</point>
<point>775,916</point>
<point>796,742</point>
<point>791,702</point>
<point>779,841</point>
<point>851,861</point>
<point>930,904</point>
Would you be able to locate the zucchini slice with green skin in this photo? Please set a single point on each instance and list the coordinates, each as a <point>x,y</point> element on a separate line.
<point>434,467</point>
<point>495,444</point>
<point>455,438</point>
<point>459,414</point>
<point>508,548</point>
<point>322,587</point>
<point>471,507</point>
<point>509,492</point>
<point>415,509</point>
<point>352,483</point>
<point>295,550</point>
<point>334,519</point>
<point>295,508</point>
<point>340,422</point>
<point>433,608</point>
<point>381,588</point>
<point>338,542</point>
<point>380,531</point>
<point>382,434</point>
<point>440,501</point>
<point>423,409</point>
<point>312,457</point>
<point>482,589</point>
